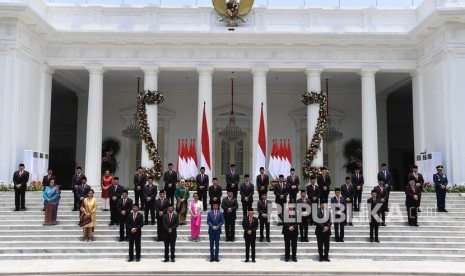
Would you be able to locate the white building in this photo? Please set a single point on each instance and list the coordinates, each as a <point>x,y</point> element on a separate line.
<point>68,71</point>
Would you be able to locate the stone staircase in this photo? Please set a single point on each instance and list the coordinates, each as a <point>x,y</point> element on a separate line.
<point>440,235</point>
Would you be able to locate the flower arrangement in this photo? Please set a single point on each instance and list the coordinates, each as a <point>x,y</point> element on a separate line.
<point>35,186</point>
<point>149,97</point>
<point>322,100</point>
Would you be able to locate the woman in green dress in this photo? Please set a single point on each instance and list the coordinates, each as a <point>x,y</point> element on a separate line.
<point>181,194</point>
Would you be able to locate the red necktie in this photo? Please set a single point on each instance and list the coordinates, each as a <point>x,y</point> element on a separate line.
<point>381,189</point>
<point>416,176</point>
<point>214,217</point>
<point>201,177</point>
<point>305,200</point>
<point>413,189</point>
<point>134,217</point>
<point>324,179</point>
<point>313,187</point>
<point>20,173</point>
<point>170,217</point>
<point>338,201</point>
<point>292,179</point>
<point>250,221</point>
<point>139,177</point>
<point>150,188</point>
<point>124,202</point>
<point>116,187</point>
<point>263,178</point>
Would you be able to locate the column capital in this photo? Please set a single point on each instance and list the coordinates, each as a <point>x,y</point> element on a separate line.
<point>48,69</point>
<point>314,70</point>
<point>150,70</point>
<point>98,70</point>
<point>417,72</point>
<point>205,69</point>
<point>260,70</point>
<point>369,71</point>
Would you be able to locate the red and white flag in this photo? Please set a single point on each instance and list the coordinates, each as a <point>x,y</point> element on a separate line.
<point>205,143</point>
<point>261,148</point>
<point>192,164</point>
<point>272,163</point>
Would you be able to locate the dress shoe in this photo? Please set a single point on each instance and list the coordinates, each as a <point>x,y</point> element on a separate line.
<point>383,224</point>
<point>306,240</point>
<point>321,259</point>
<point>246,261</point>
<point>211,260</point>
<point>111,223</point>
<point>16,209</point>
<point>261,239</point>
<point>377,241</point>
<point>217,260</point>
<point>172,260</point>
<point>286,259</point>
<point>445,211</point>
<point>165,261</point>
<point>419,210</point>
<point>153,223</point>
<point>137,260</point>
<point>130,260</point>
<point>159,240</point>
<point>327,260</point>
<point>337,239</point>
<point>341,240</point>
<point>417,225</point>
<point>301,239</point>
<point>351,224</point>
<point>268,240</point>
<point>24,209</point>
<point>121,240</point>
<point>43,210</point>
<point>74,210</point>
<point>253,261</point>
<point>294,260</point>
<point>371,240</point>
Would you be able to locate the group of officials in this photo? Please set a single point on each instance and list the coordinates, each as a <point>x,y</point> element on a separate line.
<point>347,199</point>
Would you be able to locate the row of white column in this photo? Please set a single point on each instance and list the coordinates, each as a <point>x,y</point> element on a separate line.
<point>95,111</point>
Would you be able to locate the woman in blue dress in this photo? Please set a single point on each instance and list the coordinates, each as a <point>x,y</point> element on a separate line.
<point>51,201</point>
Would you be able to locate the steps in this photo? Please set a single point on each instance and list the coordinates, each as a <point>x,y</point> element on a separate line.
<point>22,235</point>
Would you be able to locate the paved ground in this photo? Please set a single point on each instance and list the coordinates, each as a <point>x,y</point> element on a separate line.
<point>237,267</point>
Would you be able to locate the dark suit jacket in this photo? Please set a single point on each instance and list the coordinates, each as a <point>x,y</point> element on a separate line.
<point>264,210</point>
<point>324,181</point>
<point>170,178</point>
<point>138,224</point>
<point>215,192</point>
<point>264,183</point>
<point>140,182</point>
<point>320,225</point>
<point>357,181</point>
<point>381,195</point>
<point>348,192</point>
<point>149,193</point>
<point>127,208</point>
<point>226,204</point>
<point>161,206</point>
<point>409,196</point>
<point>77,180</point>
<point>212,222</point>
<point>46,180</point>
<point>418,180</point>
<point>387,179</point>
<point>118,192</point>
<point>23,179</point>
<point>232,179</point>
<point>313,192</point>
<point>247,226</point>
<point>291,183</point>
<point>372,205</point>
<point>281,190</point>
<point>334,205</point>
<point>247,191</point>
<point>199,182</point>
<point>287,224</point>
<point>173,225</point>
<point>307,208</point>
<point>82,191</point>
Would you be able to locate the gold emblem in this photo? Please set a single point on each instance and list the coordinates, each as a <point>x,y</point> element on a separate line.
<point>232,11</point>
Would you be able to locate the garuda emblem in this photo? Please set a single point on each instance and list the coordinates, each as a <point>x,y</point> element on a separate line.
<point>232,11</point>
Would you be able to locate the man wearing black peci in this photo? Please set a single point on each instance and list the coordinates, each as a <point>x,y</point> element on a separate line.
<point>373,215</point>
<point>47,178</point>
<point>140,178</point>
<point>161,207</point>
<point>115,192</point>
<point>382,194</point>
<point>303,204</point>
<point>215,192</point>
<point>76,181</point>
<point>293,183</point>
<point>135,222</point>
<point>20,179</point>
<point>324,182</point>
<point>386,176</point>
<point>247,191</point>
<point>348,192</point>
<point>323,232</point>
<point>419,182</point>
<point>149,193</point>
<point>232,180</point>
<point>262,182</point>
<point>202,183</point>
<point>313,193</point>
<point>338,205</point>
<point>250,225</point>
<point>169,178</point>
<point>412,201</point>
<point>281,190</point>
<point>229,206</point>
<point>170,225</point>
<point>290,232</point>
<point>357,181</point>
<point>264,208</point>
<point>124,207</point>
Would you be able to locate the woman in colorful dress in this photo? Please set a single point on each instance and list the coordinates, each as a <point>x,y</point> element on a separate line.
<point>89,216</point>
<point>51,200</point>
<point>196,217</point>
<point>107,181</point>
<point>181,194</point>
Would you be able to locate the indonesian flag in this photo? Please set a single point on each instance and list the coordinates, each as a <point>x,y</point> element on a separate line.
<point>287,157</point>
<point>192,164</point>
<point>272,163</point>
<point>179,157</point>
<point>280,162</point>
<point>205,143</point>
<point>261,149</point>
<point>289,153</point>
<point>183,172</point>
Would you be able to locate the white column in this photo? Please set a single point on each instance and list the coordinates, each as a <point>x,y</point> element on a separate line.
<point>93,164</point>
<point>259,97</point>
<point>45,107</point>
<point>205,96</point>
<point>81,129</point>
<point>418,111</point>
<point>369,127</point>
<point>150,83</point>
<point>313,111</point>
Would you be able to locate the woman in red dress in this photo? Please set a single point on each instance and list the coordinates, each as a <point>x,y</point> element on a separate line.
<point>107,181</point>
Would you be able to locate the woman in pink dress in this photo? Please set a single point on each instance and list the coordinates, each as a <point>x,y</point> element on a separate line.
<point>196,217</point>
<point>107,181</point>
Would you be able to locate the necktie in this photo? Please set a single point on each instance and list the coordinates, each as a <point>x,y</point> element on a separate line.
<point>201,177</point>
<point>305,200</point>
<point>124,202</point>
<point>292,179</point>
<point>313,187</point>
<point>384,174</point>
<point>150,188</point>
<point>263,178</point>
<point>20,173</point>
<point>116,186</point>
<point>264,203</point>
<point>79,176</point>
<point>338,201</point>
<point>413,189</point>
<point>282,186</point>
<point>416,176</point>
<point>134,217</point>
<point>171,216</point>
<point>324,179</point>
<point>250,221</point>
<point>357,176</point>
<point>170,172</point>
<point>139,177</point>
<point>214,216</point>
<point>381,189</point>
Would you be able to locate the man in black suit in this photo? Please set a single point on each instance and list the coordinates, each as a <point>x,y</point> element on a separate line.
<point>313,193</point>
<point>170,225</point>
<point>386,176</point>
<point>303,204</point>
<point>324,182</point>
<point>293,183</point>
<point>215,192</point>
<point>229,206</point>
<point>124,207</point>
<point>419,182</point>
<point>374,208</point>
<point>250,226</point>
<point>348,192</point>
<point>232,180</point>
<point>247,191</point>
<point>134,222</point>
<point>149,193</point>
<point>323,232</point>
<point>76,181</point>
<point>338,205</point>
<point>281,190</point>
<point>82,192</point>
<point>140,178</point>
<point>262,182</point>
<point>169,178</point>
<point>47,178</point>
<point>20,179</point>
<point>412,198</point>
<point>357,181</point>
<point>115,191</point>
<point>161,207</point>
<point>264,208</point>
<point>290,232</point>
<point>202,183</point>
<point>382,194</point>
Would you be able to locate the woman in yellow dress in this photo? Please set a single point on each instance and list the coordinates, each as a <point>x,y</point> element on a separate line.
<point>88,210</point>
